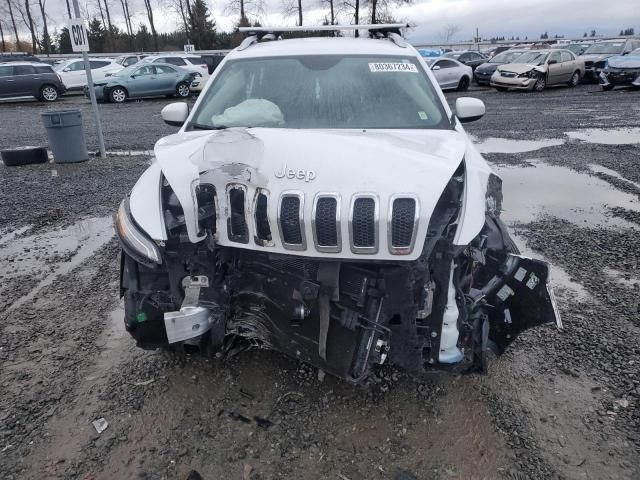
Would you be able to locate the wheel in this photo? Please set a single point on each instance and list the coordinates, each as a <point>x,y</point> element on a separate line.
<point>540,84</point>
<point>463,85</point>
<point>118,95</point>
<point>13,157</point>
<point>575,78</point>
<point>48,93</point>
<point>182,89</point>
<point>501,89</point>
<point>607,88</point>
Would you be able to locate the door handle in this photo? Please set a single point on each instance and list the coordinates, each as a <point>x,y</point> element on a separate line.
<point>10,80</point>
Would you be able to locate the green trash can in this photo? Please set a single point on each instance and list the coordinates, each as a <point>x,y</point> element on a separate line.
<point>66,136</point>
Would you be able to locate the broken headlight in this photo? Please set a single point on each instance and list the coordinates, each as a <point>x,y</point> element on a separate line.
<point>135,241</point>
<point>529,74</point>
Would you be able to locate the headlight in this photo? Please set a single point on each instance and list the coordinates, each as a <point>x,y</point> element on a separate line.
<point>132,238</point>
<point>529,74</point>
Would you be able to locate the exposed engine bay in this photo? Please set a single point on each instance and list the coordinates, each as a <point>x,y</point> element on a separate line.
<point>445,310</point>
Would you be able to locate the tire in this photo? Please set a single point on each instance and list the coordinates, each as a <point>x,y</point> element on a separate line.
<point>48,93</point>
<point>183,90</point>
<point>575,79</point>
<point>607,88</point>
<point>540,84</point>
<point>463,85</point>
<point>13,157</point>
<point>502,89</point>
<point>118,95</point>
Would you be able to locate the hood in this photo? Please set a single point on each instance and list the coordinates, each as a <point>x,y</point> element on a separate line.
<point>597,57</point>
<point>277,160</point>
<point>488,67</point>
<point>521,67</point>
<point>624,61</point>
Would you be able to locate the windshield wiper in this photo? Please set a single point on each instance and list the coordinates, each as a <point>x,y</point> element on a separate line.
<point>201,126</point>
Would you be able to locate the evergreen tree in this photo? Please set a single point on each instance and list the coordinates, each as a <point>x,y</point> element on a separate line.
<point>64,41</point>
<point>202,28</point>
<point>96,34</point>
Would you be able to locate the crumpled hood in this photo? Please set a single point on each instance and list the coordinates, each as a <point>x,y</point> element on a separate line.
<point>597,57</point>
<point>624,61</point>
<point>521,67</point>
<point>384,162</point>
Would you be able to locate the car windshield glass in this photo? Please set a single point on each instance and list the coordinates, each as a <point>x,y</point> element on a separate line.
<point>604,47</point>
<point>322,91</point>
<point>531,58</point>
<point>127,71</point>
<point>120,60</point>
<point>635,53</point>
<point>455,55</point>
<point>505,57</point>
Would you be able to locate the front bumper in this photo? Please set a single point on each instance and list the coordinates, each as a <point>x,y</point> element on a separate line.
<point>619,78</point>
<point>482,78</point>
<point>513,82</point>
<point>99,91</point>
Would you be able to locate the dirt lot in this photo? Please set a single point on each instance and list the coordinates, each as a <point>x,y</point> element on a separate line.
<point>557,405</point>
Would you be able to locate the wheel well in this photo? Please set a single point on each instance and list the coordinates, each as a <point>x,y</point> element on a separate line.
<point>118,86</point>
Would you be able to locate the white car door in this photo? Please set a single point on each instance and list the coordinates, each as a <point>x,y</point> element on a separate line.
<point>101,68</point>
<point>446,73</point>
<point>74,75</point>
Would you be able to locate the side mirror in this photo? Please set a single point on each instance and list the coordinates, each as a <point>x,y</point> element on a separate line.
<point>175,114</point>
<point>66,69</point>
<point>469,109</point>
<point>437,67</point>
<point>552,62</point>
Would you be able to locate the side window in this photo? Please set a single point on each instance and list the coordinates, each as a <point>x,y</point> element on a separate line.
<point>6,71</point>
<point>130,61</point>
<point>95,64</point>
<point>174,61</point>
<point>146,70</point>
<point>567,57</point>
<point>44,69</point>
<point>76,66</point>
<point>195,60</point>
<point>160,69</point>
<point>23,70</point>
<point>555,56</point>
<point>447,64</point>
<point>465,57</point>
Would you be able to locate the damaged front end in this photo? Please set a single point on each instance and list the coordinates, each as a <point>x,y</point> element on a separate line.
<point>443,309</point>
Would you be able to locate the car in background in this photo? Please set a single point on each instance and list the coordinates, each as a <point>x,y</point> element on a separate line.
<point>538,69</point>
<point>147,80</point>
<point>578,48</point>
<point>497,50</point>
<point>596,55</point>
<point>622,70</point>
<point>468,58</point>
<point>193,63</point>
<point>18,57</point>
<point>450,73</point>
<point>32,79</point>
<point>128,60</point>
<point>73,74</point>
<point>482,74</point>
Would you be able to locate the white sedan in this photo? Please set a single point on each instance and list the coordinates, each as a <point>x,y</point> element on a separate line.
<point>74,76</point>
<point>450,73</point>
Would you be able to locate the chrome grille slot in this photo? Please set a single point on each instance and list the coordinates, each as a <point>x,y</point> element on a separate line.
<point>403,224</point>
<point>364,224</point>
<point>291,220</point>
<point>326,223</point>
<point>236,221</point>
<point>263,229</point>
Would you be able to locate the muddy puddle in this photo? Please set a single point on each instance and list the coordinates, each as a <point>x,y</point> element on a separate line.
<point>51,254</point>
<point>607,136</point>
<point>541,189</point>
<point>607,171</point>
<point>508,145</point>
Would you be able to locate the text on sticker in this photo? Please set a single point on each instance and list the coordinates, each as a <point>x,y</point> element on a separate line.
<point>393,67</point>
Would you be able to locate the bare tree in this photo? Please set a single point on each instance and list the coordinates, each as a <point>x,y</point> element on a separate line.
<point>68,9</point>
<point>46,39</point>
<point>332,11</point>
<point>106,10</point>
<point>4,45</point>
<point>27,19</point>
<point>149,8</point>
<point>13,23</point>
<point>291,8</point>
<point>127,16</point>
<point>245,8</point>
<point>449,31</point>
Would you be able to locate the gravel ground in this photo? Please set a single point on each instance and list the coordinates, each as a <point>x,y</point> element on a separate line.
<point>557,405</point>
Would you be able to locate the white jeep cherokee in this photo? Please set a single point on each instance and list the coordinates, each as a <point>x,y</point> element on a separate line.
<point>322,200</point>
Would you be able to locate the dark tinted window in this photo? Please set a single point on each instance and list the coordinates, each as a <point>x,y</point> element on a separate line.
<point>44,69</point>
<point>98,64</point>
<point>446,64</point>
<point>23,70</point>
<point>196,60</point>
<point>6,71</point>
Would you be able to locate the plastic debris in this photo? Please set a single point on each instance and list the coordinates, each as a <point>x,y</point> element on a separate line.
<point>145,383</point>
<point>100,425</point>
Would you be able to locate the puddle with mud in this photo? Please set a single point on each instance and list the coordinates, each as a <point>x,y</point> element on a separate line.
<point>607,136</point>
<point>600,169</point>
<point>53,253</point>
<point>542,189</point>
<point>508,145</point>
<point>112,338</point>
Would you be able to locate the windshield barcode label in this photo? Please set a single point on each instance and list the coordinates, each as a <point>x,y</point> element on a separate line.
<point>393,67</point>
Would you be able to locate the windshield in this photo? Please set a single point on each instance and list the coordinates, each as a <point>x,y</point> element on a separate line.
<point>605,47</point>
<point>531,58</point>
<point>120,60</point>
<point>505,57</point>
<point>127,71</point>
<point>321,91</point>
<point>455,55</point>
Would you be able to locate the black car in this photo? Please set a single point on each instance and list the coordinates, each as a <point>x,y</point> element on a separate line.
<point>469,58</point>
<point>22,79</point>
<point>482,74</point>
<point>18,57</point>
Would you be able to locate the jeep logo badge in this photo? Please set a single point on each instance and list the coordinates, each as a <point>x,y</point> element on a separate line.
<point>300,174</point>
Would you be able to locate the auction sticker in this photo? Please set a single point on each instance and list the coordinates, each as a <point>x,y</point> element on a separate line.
<point>393,67</point>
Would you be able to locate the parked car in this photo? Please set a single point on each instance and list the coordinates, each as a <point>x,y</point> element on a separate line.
<point>595,56</point>
<point>73,72</point>
<point>18,57</point>
<point>250,230</point>
<point>128,60</point>
<point>482,74</point>
<point>468,58</point>
<point>578,48</point>
<point>144,81</point>
<point>538,69</point>
<point>450,73</point>
<point>193,63</point>
<point>34,79</point>
<point>500,49</point>
<point>622,70</point>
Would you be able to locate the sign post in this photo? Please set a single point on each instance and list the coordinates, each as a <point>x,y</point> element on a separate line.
<point>80,43</point>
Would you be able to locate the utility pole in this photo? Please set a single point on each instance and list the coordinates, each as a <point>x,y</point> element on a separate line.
<point>92,93</point>
<point>477,39</point>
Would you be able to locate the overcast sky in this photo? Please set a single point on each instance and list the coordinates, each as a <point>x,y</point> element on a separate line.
<point>492,17</point>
